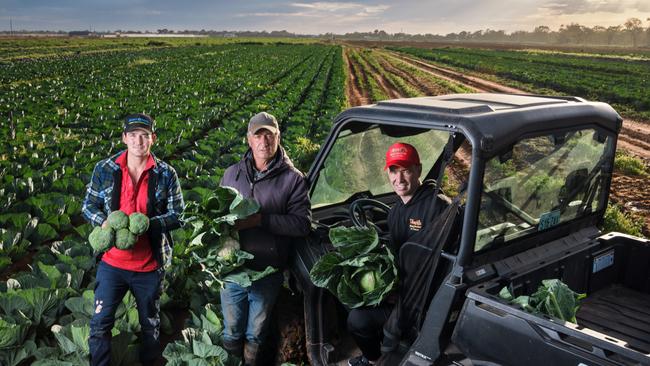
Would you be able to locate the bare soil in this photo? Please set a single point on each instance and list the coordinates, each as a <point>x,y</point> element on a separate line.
<point>291,327</point>
<point>356,93</point>
<point>425,86</point>
<point>389,89</point>
<point>632,193</point>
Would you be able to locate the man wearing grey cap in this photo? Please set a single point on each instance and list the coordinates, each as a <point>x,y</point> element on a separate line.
<point>267,174</point>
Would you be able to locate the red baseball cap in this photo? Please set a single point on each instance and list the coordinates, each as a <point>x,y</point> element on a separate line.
<point>402,155</point>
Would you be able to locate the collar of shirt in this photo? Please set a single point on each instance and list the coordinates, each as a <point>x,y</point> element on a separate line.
<point>121,161</point>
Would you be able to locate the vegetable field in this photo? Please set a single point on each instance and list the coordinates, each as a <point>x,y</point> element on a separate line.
<point>619,80</point>
<point>62,112</point>
<point>61,107</point>
<point>379,71</point>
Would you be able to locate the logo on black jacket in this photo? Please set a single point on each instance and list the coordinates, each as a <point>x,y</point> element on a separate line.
<point>415,224</point>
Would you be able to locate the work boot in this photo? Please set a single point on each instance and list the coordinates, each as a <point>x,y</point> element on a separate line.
<point>360,361</point>
<point>251,352</point>
<point>234,348</point>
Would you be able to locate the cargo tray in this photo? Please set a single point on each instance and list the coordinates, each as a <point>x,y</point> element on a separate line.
<point>618,312</point>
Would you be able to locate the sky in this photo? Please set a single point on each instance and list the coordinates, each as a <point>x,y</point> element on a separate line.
<point>316,17</point>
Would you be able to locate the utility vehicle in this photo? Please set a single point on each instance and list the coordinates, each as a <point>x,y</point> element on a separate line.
<point>535,190</point>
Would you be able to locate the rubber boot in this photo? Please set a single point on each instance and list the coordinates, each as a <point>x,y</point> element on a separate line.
<point>251,352</point>
<point>234,348</point>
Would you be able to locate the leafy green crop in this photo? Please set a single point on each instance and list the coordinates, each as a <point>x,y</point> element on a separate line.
<point>214,245</point>
<point>553,297</point>
<point>199,343</point>
<point>63,115</point>
<point>359,272</point>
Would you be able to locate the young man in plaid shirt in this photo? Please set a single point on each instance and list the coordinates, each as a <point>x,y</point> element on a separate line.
<point>133,180</point>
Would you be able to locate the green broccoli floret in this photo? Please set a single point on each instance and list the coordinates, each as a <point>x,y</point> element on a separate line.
<point>101,239</point>
<point>118,220</point>
<point>124,239</point>
<point>138,223</point>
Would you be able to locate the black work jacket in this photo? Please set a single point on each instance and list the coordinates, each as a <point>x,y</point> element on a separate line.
<point>284,204</point>
<point>407,222</point>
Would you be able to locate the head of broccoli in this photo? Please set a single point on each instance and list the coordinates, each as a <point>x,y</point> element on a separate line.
<point>138,223</point>
<point>118,220</point>
<point>124,239</point>
<point>101,239</point>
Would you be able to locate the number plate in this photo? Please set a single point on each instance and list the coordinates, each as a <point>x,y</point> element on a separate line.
<point>548,220</point>
<point>603,261</point>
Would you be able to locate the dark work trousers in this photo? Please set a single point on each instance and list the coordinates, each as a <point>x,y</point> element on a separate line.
<point>111,285</point>
<point>366,324</point>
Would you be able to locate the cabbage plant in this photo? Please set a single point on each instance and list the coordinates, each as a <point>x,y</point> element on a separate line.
<point>215,243</point>
<point>553,298</point>
<point>360,271</point>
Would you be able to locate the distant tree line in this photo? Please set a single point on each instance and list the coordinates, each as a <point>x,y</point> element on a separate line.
<point>631,33</point>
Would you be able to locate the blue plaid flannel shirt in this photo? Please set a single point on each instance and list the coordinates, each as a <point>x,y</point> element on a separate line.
<point>97,203</point>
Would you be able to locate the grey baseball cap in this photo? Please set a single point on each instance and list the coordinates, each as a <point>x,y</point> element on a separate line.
<point>263,120</point>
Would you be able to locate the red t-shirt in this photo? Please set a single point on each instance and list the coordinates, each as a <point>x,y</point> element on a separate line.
<point>133,198</point>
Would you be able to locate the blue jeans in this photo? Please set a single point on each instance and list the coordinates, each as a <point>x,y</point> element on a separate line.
<point>111,285</point>
<point>246,309</point>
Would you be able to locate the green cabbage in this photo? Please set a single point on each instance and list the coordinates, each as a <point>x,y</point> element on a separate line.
<point>368,281</point>
<point>214,241</point>
<point>553,297</point>
<point>360,272</point>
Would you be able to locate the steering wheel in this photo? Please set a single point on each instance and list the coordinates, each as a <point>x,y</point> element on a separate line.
<point>358,214</point>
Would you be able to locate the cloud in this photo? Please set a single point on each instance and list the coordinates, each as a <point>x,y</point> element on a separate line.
<point>342,9</point>
<point>554,7</point>
<point>327,6</point>
<point>323,16</point>
<point>275,14</point>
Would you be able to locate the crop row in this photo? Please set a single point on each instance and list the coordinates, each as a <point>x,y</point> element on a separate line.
<point>428,83</point>
<point>61,180</point>
<point>621,82</point>
<point>56,124</point>
<point>396,80</point>
<point>364,75</point>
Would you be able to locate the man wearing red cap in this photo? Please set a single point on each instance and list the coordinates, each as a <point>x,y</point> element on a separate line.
<point>408,217</point>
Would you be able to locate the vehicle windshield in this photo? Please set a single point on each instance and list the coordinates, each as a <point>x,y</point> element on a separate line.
<point>356,162</point>
<point>542,182</point>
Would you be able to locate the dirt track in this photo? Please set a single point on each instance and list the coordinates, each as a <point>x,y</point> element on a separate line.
<point>628,191</point>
